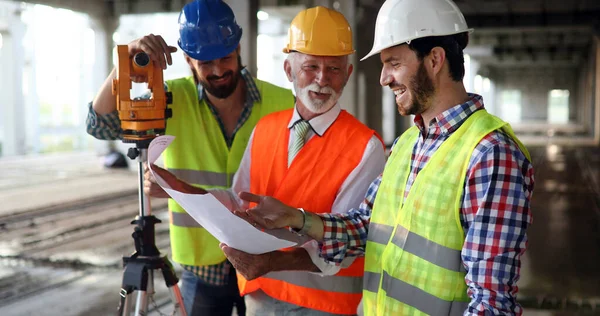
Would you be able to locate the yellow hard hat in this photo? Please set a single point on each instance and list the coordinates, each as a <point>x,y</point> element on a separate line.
<point>320,31</point>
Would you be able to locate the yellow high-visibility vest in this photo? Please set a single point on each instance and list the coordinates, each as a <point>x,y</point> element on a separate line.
<point>199,155</point>
<point>413,260</point>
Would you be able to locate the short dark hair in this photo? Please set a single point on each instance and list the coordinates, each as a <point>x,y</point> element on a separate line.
<point>453,45</point>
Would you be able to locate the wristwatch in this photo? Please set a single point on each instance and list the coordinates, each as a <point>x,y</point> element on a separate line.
<point>307,223</point>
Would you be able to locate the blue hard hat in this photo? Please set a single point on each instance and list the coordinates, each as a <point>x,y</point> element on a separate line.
<point>208,30</point>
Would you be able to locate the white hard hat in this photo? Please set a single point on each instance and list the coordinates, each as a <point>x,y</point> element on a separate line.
<point>401,21</point>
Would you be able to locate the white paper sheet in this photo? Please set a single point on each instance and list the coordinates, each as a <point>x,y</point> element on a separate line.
<point>216,218</point>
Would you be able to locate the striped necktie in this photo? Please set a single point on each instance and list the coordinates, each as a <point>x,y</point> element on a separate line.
<point>300,130</point>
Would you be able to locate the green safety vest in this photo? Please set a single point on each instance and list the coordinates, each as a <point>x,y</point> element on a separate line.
<point>413,260</point>
<point>199,155</point>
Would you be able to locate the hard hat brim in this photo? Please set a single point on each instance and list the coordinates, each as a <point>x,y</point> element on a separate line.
<point>287,51</point>
<point>377,50</point>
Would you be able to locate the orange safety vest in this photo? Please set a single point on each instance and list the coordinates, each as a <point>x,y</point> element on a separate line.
<point>311,182</point>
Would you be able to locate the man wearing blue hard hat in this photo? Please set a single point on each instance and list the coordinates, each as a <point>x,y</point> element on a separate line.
<point>216,108</point>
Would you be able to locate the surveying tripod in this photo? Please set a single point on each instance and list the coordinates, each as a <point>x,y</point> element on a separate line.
<point>141,122</point>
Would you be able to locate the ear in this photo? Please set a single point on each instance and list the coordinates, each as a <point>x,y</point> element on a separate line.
<point>287,67</point>
<point>436,60</point>
<point>350,69</point>
<point>238,49</point>
<point>188,60</point>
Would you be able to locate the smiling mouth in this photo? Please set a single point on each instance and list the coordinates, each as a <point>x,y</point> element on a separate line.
<point>221,80</point>
<point>320,95</point>
<point>399,92</point>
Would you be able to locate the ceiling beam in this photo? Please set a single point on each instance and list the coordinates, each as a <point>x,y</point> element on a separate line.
<point>546,19</point>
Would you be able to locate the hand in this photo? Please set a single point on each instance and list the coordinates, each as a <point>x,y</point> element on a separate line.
<point>152,188</point>
<point>156,48</point>
<point>250,266</point>
<point>270,213</point>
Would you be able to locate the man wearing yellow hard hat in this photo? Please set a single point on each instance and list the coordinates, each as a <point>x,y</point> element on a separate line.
<point>315,157</point>
<point>444,228</point>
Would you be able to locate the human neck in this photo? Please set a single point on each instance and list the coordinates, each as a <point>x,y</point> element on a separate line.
<point>446,97</point>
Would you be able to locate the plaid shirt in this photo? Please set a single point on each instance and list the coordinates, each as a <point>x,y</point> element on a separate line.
<point>494,213</point>
<point>108,127</point>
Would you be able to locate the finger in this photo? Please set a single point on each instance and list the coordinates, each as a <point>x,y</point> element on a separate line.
<point>258,220</point>
<point>147,46</point>
<point>166,49</point>
<point>159,49</point>
<point>242,214</point>
<point>249,197</point>
<point>152,48</point>
<point>147,190</point>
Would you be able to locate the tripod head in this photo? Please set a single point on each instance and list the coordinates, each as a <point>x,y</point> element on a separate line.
<point>141,120</point>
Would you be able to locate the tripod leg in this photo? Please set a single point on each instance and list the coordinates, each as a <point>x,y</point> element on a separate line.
<point>141,304</point>
<point>171,282</point>
<point>177,300</point>
<point>125,302</point>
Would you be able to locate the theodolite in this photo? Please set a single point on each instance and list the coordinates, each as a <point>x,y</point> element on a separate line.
<point>141,121</point>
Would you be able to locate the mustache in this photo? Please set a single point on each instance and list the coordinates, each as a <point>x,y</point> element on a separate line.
<point>316,88</point>
<point>394,85</point>
<point>213,77</point>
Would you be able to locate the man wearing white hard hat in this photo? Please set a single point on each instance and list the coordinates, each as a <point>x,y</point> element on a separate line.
<point>444,226</point>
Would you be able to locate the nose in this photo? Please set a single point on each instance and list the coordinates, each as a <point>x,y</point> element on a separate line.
<point>386,78</point>
<point>218,69</point>
<point>322,78</point>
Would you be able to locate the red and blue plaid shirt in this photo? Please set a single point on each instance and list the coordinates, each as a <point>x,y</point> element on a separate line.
<point>494,213</point>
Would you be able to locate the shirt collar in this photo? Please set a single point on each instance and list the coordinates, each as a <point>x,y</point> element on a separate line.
<point>321,123</point>
<point>252,93</point>
<point>451,119</point>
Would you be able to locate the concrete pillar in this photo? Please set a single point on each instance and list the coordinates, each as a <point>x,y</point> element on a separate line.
<point>349,98</point>
<point>370,104</point>
<point>245,15</point>
<point>12,107</point>
<point>596,93</point>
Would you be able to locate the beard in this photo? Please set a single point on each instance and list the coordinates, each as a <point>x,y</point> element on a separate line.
<point>222,91</point>
<point>315,105</point>
<point>421,89</point>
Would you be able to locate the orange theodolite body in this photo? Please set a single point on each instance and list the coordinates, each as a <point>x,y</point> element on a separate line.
<point>140,119</point>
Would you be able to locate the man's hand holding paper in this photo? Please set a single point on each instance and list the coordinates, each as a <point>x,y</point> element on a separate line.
<point>207,210</point>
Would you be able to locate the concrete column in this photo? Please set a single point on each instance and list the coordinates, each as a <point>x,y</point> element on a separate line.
<point>12,63</point>
<point>597,91</point>
<point>349,98</point>
<point>370,107</point>
<point>245,15</point>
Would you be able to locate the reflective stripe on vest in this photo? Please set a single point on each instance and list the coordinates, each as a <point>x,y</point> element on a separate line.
<point>204,178</point>
<point>332,157</point>
<point>410,242</point>
<point>340,284</point>
<point>200,155</point>
<point>413,296</point>
<point>183,220</point>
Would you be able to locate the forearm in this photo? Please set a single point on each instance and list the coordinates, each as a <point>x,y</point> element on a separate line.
<point>296,259</point>
<point>317,228</point>
<point>345,235</point>
<point>104,102</point>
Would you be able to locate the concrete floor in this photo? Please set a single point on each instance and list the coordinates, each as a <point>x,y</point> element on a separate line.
<point>560,272</point>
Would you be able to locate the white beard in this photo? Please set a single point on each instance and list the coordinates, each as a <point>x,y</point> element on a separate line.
<point>314,105</point>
